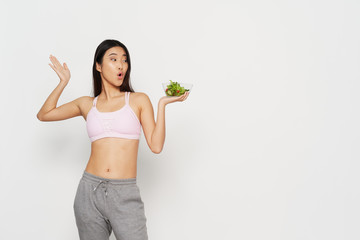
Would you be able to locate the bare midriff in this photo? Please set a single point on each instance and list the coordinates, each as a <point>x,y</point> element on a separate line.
<point>114,158</point>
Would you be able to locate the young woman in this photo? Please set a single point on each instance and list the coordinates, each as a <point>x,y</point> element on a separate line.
<point>108,198</point>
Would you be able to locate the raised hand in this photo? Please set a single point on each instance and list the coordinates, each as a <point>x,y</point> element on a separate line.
<point>62,71</point>
<point>167,99</point>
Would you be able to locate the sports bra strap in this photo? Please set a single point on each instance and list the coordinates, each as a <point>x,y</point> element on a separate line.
<point>127,94</point>
<point>95,100</point>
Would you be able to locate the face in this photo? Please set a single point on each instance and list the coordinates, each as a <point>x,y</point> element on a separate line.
<point>114,63</point>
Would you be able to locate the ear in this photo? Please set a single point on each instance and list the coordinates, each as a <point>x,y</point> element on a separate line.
<point>98,67</point>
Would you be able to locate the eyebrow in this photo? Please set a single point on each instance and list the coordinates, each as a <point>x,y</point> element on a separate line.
<point>116,54</point>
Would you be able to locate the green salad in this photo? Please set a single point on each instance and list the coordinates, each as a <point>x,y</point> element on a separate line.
<point>174,89</point>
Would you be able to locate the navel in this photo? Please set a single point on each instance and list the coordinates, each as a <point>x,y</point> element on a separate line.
<point>108,170</point>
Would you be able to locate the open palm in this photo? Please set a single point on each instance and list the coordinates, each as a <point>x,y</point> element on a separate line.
<point>168,99</point>
<point>62,71</point>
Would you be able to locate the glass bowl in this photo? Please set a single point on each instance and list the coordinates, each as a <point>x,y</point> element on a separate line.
<point>184,85</point>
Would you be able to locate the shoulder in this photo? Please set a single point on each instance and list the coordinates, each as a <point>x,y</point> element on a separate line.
<point>141,98</point>
<point>139,95</point>
<point>84,98</point>
<point>83,102</point>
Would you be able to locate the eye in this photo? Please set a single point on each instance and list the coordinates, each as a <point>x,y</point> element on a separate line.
<point>125,60</point>
<point>113,58</point>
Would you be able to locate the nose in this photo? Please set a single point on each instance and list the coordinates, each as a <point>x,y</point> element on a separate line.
<point>120,65</point>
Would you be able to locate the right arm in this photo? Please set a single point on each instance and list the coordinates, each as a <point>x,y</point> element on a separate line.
<point>49,111</point>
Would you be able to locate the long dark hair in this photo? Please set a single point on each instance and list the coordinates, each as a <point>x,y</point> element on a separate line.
<point>98,58</point>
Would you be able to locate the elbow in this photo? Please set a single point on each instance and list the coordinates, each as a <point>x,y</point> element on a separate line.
<point>156,150</point>
<point>39,117</point>
<point>43,118</point>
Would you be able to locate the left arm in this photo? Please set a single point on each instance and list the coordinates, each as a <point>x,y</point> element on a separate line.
<point>155,132</point>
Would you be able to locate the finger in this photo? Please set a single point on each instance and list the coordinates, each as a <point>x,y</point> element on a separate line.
<point>56,62</point>
<point>51,66</point>
<point>53,61</point>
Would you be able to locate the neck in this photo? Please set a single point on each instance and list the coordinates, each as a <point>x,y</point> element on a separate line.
<point>110,92</point>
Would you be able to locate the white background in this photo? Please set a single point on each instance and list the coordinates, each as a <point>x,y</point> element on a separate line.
<point>265,147</point>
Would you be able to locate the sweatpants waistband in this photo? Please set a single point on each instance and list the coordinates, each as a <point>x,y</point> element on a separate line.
<point>96,179</point>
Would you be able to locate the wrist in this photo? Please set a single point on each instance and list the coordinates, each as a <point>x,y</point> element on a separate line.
<point>63,82</point>
<point>162,103</point>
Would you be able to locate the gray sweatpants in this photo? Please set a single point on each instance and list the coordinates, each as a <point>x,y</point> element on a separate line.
<point>102,205</point>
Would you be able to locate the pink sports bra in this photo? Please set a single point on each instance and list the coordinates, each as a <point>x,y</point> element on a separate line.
<point>122,123</point>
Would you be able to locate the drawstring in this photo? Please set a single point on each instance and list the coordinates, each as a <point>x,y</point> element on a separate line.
<point>99,185</point>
